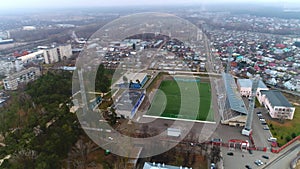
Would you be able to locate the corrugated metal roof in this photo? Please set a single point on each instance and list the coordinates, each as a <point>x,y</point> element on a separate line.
<point>248,83</point>
<point>276,98</point>
<point>236,102</point>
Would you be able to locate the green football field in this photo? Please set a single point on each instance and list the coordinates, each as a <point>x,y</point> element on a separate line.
<point>182,99</point>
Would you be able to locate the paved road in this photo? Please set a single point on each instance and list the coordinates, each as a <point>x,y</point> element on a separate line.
<point>284,159</point>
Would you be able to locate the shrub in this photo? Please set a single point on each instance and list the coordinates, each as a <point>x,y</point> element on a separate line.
<point>288,138</point>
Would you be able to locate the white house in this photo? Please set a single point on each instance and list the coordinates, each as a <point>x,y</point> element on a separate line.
<point>245,86</point>
<point>277,104</point>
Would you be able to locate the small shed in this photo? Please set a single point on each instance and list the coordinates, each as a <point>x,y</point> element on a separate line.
<point>174,132</point>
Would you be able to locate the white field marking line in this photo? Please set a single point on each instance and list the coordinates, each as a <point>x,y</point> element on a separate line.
<point>188,120</point>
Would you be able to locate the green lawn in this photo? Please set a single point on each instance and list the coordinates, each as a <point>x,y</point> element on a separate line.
<point>284,132</point>
<point>169,100</point>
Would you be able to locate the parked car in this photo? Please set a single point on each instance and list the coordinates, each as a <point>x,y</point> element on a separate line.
<point>248,167</point>
<point>258,112</point>
<point>272,139</point>
<point>212,166</point>
<point>262,120</point>
<point>266,128</point>
<point>263,123</point>
<point>230,153</point>
<point>258,162</point>
<point>265,157</point>
<point>216,140</point>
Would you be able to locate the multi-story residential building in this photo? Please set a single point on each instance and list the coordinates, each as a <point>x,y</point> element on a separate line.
<point>10,65</point>
<point>277,104</point>
<point>38,55</point>
<point>56,54</point>
<point>232,108</point>
<point>12,81</point>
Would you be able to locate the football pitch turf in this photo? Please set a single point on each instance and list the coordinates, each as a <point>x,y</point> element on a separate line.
<point>169,100</point>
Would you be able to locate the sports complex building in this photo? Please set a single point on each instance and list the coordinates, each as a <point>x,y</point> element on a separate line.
<point>172,97</point>
<point>129,102</point>
<point>232,108</point>
<point>131,94</point>
<point>132,80</point>
<point>181,97</point>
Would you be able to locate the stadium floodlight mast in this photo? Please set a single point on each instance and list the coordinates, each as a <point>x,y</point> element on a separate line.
<point>94,53</point>
<point>230,52</point>
<point>248,127</point>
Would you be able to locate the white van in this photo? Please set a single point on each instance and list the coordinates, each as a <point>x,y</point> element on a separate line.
<point>272,139</point>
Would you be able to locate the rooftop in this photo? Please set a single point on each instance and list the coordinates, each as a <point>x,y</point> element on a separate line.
<point>148,165</point>
<point>132,76</point>
<point>236,103</point>
<point>276,98</point>
<point>248,83</point>
<point>128,99</point>
<point>23,72</point>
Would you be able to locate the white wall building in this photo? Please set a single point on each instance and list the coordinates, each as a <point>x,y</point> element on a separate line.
<point>12,81</point>
<point>10,65</point>
<point>32,56</point>
<point>245,86</point>
<point>277,104</point>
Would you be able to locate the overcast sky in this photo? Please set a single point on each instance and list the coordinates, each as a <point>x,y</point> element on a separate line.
<point>15,4</point>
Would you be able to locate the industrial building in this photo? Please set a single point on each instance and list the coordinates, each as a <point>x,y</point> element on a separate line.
<point>57,54</point>
<point>12,81</point>
<point>5,37</point>
<point>277,104</point>
<point>245,86</point>
<point>231,105</point>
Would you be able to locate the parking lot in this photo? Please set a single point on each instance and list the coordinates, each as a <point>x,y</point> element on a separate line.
<point>240,158</point>
<point>260,135</point>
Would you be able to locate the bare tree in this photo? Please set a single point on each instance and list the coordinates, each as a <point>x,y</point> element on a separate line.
<point>80,152</point>
<point>215,154</point>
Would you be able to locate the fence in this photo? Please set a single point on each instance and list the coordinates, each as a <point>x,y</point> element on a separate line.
<point>286,145</point>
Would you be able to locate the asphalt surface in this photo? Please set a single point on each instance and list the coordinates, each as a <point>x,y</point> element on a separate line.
<point>260,135</point>
<point>284,158</point>
<point>242,158</point>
